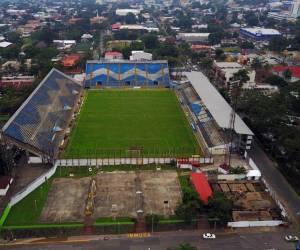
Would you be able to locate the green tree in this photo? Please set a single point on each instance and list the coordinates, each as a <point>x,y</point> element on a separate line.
<point>150,41</point>
<point>13,37</point>
<point>241,75</point>
<point>184,246</point>
<point>220,207</point>
<point>256,63</point>
<point>215,38</point>
<point>287,74</point>
<point>278,44</point>
<point>276,80</point>
<point>130,18</point>
<point>220,54</point>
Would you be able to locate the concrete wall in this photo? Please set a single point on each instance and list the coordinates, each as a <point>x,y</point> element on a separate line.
<point>267,223</point>
<point>32,186</point>
<point>231,177</point>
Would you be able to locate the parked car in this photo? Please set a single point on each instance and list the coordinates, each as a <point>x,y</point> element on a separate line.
<point>209,236</point>
<point>291,238</point>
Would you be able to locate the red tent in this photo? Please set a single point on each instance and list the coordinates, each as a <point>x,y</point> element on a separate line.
<point>202,186</point>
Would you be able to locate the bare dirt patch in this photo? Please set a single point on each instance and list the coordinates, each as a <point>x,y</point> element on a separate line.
<point>118,194</point>
<point>66,200</point>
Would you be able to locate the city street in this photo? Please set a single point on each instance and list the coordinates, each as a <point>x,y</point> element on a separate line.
<point>277,182</point>
<point>162,241</point>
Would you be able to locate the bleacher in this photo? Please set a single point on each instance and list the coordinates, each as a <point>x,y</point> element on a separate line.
<point>119,73</point>
<point>41,119</point>
<point>206,123</point>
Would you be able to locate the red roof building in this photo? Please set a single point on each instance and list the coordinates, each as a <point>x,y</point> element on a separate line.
<point>113,55</point>
<point>202,186</point>
<point>16,82</point>
<point>295,70</point>
<point>70,60</point>
<point>116,26</point>
<point>199,47</point>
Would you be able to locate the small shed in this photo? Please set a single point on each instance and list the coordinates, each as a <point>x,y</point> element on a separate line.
<point>253,174</point>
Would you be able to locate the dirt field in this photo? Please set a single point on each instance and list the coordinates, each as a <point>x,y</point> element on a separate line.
<point>66,200</point>
<point>119,194</point>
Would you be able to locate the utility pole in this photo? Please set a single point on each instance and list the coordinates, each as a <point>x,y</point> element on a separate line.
<point>234,93</point>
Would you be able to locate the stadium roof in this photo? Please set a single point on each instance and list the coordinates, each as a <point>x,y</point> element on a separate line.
<point>202,186</point>
<point>34,125</point>
<point>216,104</point>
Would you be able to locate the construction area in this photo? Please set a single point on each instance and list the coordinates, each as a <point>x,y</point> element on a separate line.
<point>112,194</point>
<point>251,202</point>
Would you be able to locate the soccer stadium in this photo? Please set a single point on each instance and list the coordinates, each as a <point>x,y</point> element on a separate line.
<point>110,150</point>
<point>132,113</point>
<point>123,111</point>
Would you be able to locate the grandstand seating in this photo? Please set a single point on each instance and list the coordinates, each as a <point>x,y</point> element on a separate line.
<point>206,123</point>
<point>127,73</point>
<point>35,120</point>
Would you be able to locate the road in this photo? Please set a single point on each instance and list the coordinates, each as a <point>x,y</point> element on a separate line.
<point>162,241</point>
<point>285,193</point>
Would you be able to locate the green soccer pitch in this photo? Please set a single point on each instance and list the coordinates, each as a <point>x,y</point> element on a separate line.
<point>136,122</point>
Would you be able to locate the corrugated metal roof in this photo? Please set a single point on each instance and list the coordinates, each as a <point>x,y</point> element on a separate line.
<point>216,104</point>
<point>202,186</point>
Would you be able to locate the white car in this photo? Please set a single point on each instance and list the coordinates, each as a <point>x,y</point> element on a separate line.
<point>291,238</point>
<point>208,236</point>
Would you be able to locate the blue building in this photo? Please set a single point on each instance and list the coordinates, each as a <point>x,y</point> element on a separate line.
<point>127,73</point>
<point>259,34</point>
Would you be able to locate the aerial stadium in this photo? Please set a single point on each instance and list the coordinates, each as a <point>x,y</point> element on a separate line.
<point>108,139</point>
<point>123,109</point>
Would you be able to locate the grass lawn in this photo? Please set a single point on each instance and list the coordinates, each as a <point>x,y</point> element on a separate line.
<point>120,123</point>
<point>28,210</point>
<point>4,118</point>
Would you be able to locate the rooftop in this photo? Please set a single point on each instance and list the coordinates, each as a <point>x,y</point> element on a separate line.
<point>225,65</point>
<point>202,186</point>
<point>295,70</point>
<point>194,34</point>
<point>5,44</point>
<point>261,31</point>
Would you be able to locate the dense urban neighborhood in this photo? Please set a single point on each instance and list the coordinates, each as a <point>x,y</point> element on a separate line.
<point>155,124</point>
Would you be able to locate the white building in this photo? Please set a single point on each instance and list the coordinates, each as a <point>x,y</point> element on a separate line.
<point>193,37</point>
<point>225,71</point>
<point>124,12</point>
<point>292,15</point>
<point>138,27</point>
<point>5,44</point>
<point>295,9</point>
<point>86,37</point>
<point>137,55</point>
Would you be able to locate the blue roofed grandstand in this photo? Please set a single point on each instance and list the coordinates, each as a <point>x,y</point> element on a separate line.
<point>117,73</point>
<point>39,124</point>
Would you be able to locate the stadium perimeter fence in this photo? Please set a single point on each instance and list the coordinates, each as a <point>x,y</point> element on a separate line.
<point>130,153</point>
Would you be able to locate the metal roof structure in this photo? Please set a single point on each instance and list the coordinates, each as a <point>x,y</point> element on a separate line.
<point>36,124</point>
<point>215,103</point>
